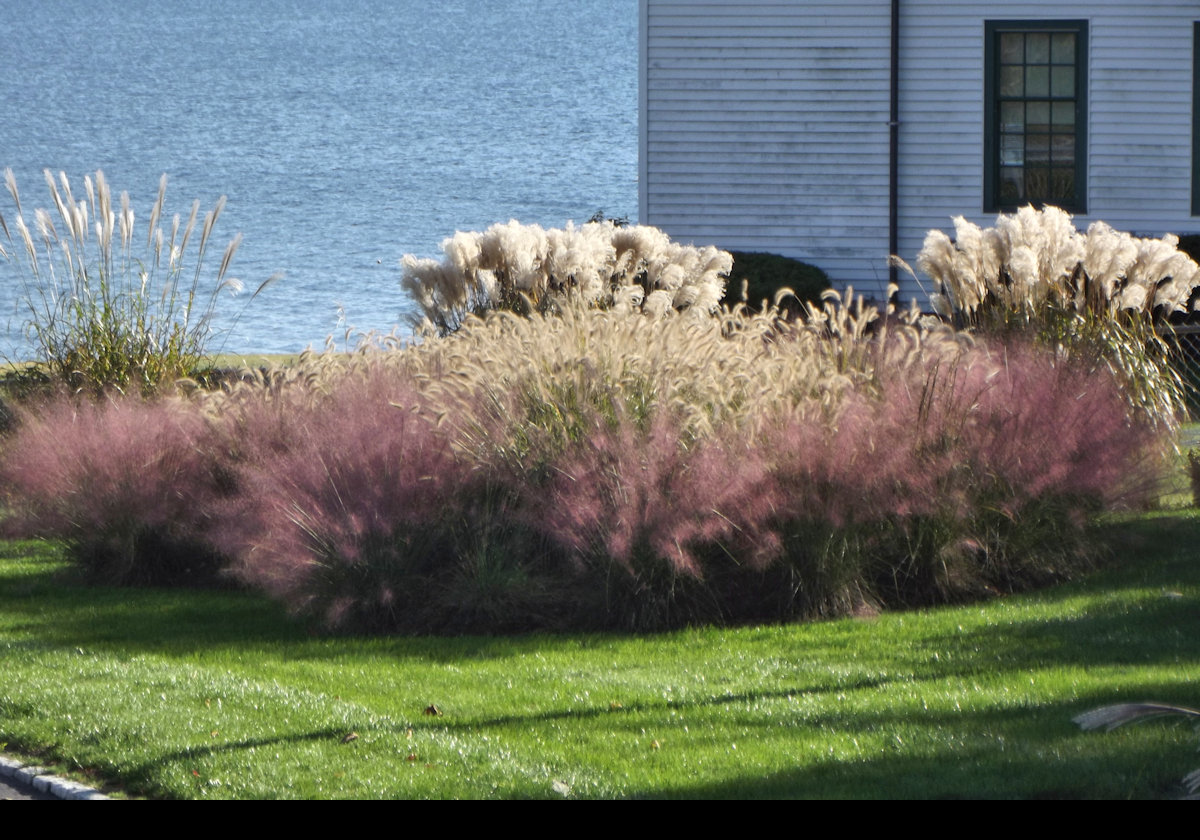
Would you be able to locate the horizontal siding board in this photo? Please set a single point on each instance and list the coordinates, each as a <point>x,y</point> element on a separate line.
<point>767,77</point>
<point>809,193</point>
<point>797,79</point>
<point>829,186</point>
<point>737,37</point>
<point>828,199</point>
<point>796,151</point>
<point>770,180</point>
<point>813,133</point>
<point>671,109</point>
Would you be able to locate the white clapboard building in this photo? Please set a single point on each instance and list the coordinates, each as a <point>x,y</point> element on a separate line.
<point>840,132</point>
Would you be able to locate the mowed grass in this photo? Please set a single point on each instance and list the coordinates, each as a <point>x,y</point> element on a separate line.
<point>219,695</point>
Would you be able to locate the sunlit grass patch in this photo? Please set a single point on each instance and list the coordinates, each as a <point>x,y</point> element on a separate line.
<point>201,694</point>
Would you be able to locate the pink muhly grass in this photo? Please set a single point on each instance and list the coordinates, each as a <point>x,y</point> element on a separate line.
<point>634,496</point>
<point>1047,444</point>
<point>348,519</point>
<point>867,462</point>
<point>837,482</point>
<point>1015,420</point>
<point>1061,427</point>
<point>976,469</point>
<point>122,480</point>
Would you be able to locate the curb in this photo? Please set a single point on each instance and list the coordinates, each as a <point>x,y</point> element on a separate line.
<point>41,780</point>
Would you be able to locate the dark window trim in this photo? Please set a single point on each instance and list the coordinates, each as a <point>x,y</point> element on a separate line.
<point>991,151</point>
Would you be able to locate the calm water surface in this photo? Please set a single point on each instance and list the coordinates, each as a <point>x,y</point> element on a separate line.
<point>343,134</point>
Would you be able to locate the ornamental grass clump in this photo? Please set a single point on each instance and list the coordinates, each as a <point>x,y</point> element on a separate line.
<point>645,517</point>
<point>104,308</point>
<point>126,483</point>
<point>501,413</point>
<point>591,469</point>
<point>526,268</point>
<point>595,480</point>
<point>362,517</point>
<point>542,378</point>
<point>945,485</point>
<point>1098,293</point>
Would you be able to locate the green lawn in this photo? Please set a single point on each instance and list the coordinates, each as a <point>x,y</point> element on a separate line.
<point>215,695</point>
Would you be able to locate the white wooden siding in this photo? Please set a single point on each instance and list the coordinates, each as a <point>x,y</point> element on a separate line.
<point>764,124</point>
<point>765,127</point>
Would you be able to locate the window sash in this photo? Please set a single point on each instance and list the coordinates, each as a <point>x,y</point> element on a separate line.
<point>1035,97</point>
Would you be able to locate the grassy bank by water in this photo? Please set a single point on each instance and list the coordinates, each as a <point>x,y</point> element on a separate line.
<point>218,695</point>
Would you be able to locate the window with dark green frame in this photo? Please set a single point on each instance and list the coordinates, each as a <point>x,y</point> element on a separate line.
<point>1035,114</point>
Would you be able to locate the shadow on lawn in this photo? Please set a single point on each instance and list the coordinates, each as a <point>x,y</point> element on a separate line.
<point>1019,769</point>
<point>1023,752</point>
<point>41,598</point>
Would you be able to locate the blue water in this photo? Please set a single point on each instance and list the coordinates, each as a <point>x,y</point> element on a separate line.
<point>343,134</point>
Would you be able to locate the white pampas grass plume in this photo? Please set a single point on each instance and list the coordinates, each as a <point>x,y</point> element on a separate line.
<point>527,268</point>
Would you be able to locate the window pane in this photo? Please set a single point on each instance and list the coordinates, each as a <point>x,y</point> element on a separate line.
<point>1012,81</point>
<point>1038,115</point>
<point>1062,185</point>
<point>1062,81</point>
<point>1064,114</point>
<point>1037,184</point>
<point>1037,148</point>
<point>1037,81</point>
<point>1012,184</point>
<point>1037,48</point>
<point>1062,149</point>
<point>1012,116</point>
<point>1062,49</point>
<point>1012,149</point>
<point>1012,48</point>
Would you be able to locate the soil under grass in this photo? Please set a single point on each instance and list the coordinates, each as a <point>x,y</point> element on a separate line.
<point>187,694</point>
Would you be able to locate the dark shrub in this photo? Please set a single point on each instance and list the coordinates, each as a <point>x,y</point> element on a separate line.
<point>1189,243</point>
<point>765,274</point>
